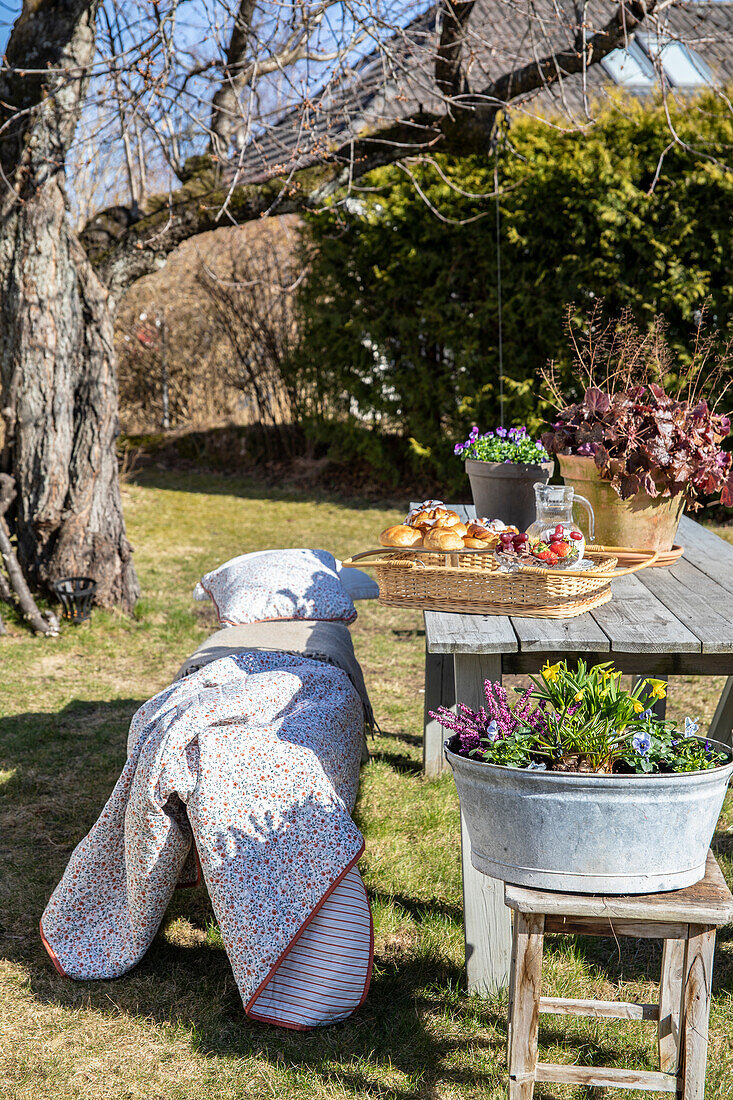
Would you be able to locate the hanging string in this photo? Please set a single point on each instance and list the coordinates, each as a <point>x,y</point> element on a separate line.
<point>495,145</point>
<point>498,289</point>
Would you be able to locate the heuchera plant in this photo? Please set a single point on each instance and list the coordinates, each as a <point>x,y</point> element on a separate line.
<point>502,445</point>
<point>644,418</point>
<point>578,721</point>
<point>643,439</point>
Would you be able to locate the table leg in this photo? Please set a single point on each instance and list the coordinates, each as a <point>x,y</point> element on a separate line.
<point>696,1009</point>
<point>439,692</point>
<point>486,920</point>
<point>721,727</point>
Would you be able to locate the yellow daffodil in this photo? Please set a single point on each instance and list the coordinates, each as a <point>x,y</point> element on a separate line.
<point>659,689</point>
<point>638,706</point>
<point>551,672</point>
<point>578,697</point>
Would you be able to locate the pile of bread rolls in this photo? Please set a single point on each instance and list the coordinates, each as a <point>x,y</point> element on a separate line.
<point>433,526</point>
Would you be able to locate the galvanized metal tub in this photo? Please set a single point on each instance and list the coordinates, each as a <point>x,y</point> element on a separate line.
<point>590,834</point>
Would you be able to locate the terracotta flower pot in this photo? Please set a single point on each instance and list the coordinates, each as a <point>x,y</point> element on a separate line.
<point>504,490</point>
<point>649,523</point>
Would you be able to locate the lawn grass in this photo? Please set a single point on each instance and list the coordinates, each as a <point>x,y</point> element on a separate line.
<point>174,1028</point>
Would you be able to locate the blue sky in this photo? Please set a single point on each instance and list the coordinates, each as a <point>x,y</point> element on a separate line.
<point>9,12</point>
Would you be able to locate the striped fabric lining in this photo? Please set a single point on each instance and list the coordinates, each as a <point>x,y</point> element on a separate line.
<point>325,975</point>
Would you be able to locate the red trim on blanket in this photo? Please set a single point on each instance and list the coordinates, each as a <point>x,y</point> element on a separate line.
<point>52,953</point>
<point>291,945</point>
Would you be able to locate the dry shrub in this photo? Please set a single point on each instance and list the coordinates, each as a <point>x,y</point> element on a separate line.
<point>217,320</point>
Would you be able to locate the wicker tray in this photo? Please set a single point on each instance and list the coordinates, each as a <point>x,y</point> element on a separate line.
<point>471,581</point>
<point>629,556</point>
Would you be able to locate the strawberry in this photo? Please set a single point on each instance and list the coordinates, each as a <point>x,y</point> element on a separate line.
<point>562,549</point>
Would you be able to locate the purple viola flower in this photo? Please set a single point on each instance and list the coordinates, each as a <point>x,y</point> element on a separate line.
<point>474,432</point>
<point>458,449</point>
<point>642,742</point>
<point>501,432</point>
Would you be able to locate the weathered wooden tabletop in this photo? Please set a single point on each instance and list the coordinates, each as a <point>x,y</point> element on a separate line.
<point>660,622</point>
<point>670,620</point>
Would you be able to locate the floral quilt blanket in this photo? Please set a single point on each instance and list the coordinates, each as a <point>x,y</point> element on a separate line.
<point>247,768</point>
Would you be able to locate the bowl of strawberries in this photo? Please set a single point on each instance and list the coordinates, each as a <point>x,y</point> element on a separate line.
<point>561,547</point>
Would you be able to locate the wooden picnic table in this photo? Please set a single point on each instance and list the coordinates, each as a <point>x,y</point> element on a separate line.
<point>661,622</point>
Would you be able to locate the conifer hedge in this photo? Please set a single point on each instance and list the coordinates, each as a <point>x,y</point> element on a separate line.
<point>398,315</point>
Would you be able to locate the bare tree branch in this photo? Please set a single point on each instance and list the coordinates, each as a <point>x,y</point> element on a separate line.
<point>225,105</point>
<point>449,75</point>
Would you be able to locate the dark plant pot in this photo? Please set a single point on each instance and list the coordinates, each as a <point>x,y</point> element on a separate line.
<point>505,490</point>
<point>649,523</point>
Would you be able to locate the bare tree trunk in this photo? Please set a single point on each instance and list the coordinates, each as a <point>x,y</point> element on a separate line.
<point>61,410</point>
<point>56,352</point>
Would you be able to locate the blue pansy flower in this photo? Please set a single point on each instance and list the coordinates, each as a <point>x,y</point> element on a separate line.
<point>642,742</point>
<point>492,730</point>
<point>532,767</point>
<point>691,727</point>
<point>647,713</point>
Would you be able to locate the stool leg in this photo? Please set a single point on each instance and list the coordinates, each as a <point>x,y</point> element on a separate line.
<point>696,1009</point>
<point>524,999</point>
<point>670,1005</point>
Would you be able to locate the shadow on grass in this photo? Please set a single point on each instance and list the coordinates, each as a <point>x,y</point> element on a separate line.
<point>419,909</point>
<point>58,771</point>
<point>220,483</point>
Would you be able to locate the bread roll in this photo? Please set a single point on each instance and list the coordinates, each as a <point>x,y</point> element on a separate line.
<point>478,537</point>
<point>442,538</point>
<point>427,512</point>
<point>446,518</point>
<point>400,535</point>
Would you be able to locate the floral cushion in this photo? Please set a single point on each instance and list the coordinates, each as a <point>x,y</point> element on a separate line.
<point>277,584</point>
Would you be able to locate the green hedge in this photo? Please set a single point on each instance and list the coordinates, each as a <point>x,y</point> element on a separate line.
<point>398,316</point>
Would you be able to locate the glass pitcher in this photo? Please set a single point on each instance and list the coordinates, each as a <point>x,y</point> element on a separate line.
<point>555,505</point>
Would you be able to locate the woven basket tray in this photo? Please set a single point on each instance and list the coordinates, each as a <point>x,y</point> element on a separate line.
<point>471,581</point>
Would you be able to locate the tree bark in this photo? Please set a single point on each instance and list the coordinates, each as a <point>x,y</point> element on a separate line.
<point>45,623</point>
<point>56,333</point>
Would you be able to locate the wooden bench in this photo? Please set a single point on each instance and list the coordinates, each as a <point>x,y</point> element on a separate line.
<point>685,919</point>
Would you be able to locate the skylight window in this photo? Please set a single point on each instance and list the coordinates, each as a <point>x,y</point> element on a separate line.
<point>682,68</point>
<point>629,67</point>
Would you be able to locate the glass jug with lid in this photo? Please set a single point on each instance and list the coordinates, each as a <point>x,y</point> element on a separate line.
<point>555,506</point>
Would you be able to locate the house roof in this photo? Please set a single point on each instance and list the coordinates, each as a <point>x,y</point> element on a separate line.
<point>395,82</point>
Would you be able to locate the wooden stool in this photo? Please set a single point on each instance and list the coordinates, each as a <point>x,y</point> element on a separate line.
<point>685,919</point>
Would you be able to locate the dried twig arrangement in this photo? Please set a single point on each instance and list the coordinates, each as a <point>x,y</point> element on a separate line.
<point>615,355</point>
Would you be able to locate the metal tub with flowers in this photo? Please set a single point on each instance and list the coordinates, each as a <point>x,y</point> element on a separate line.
<point>579,786</point>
